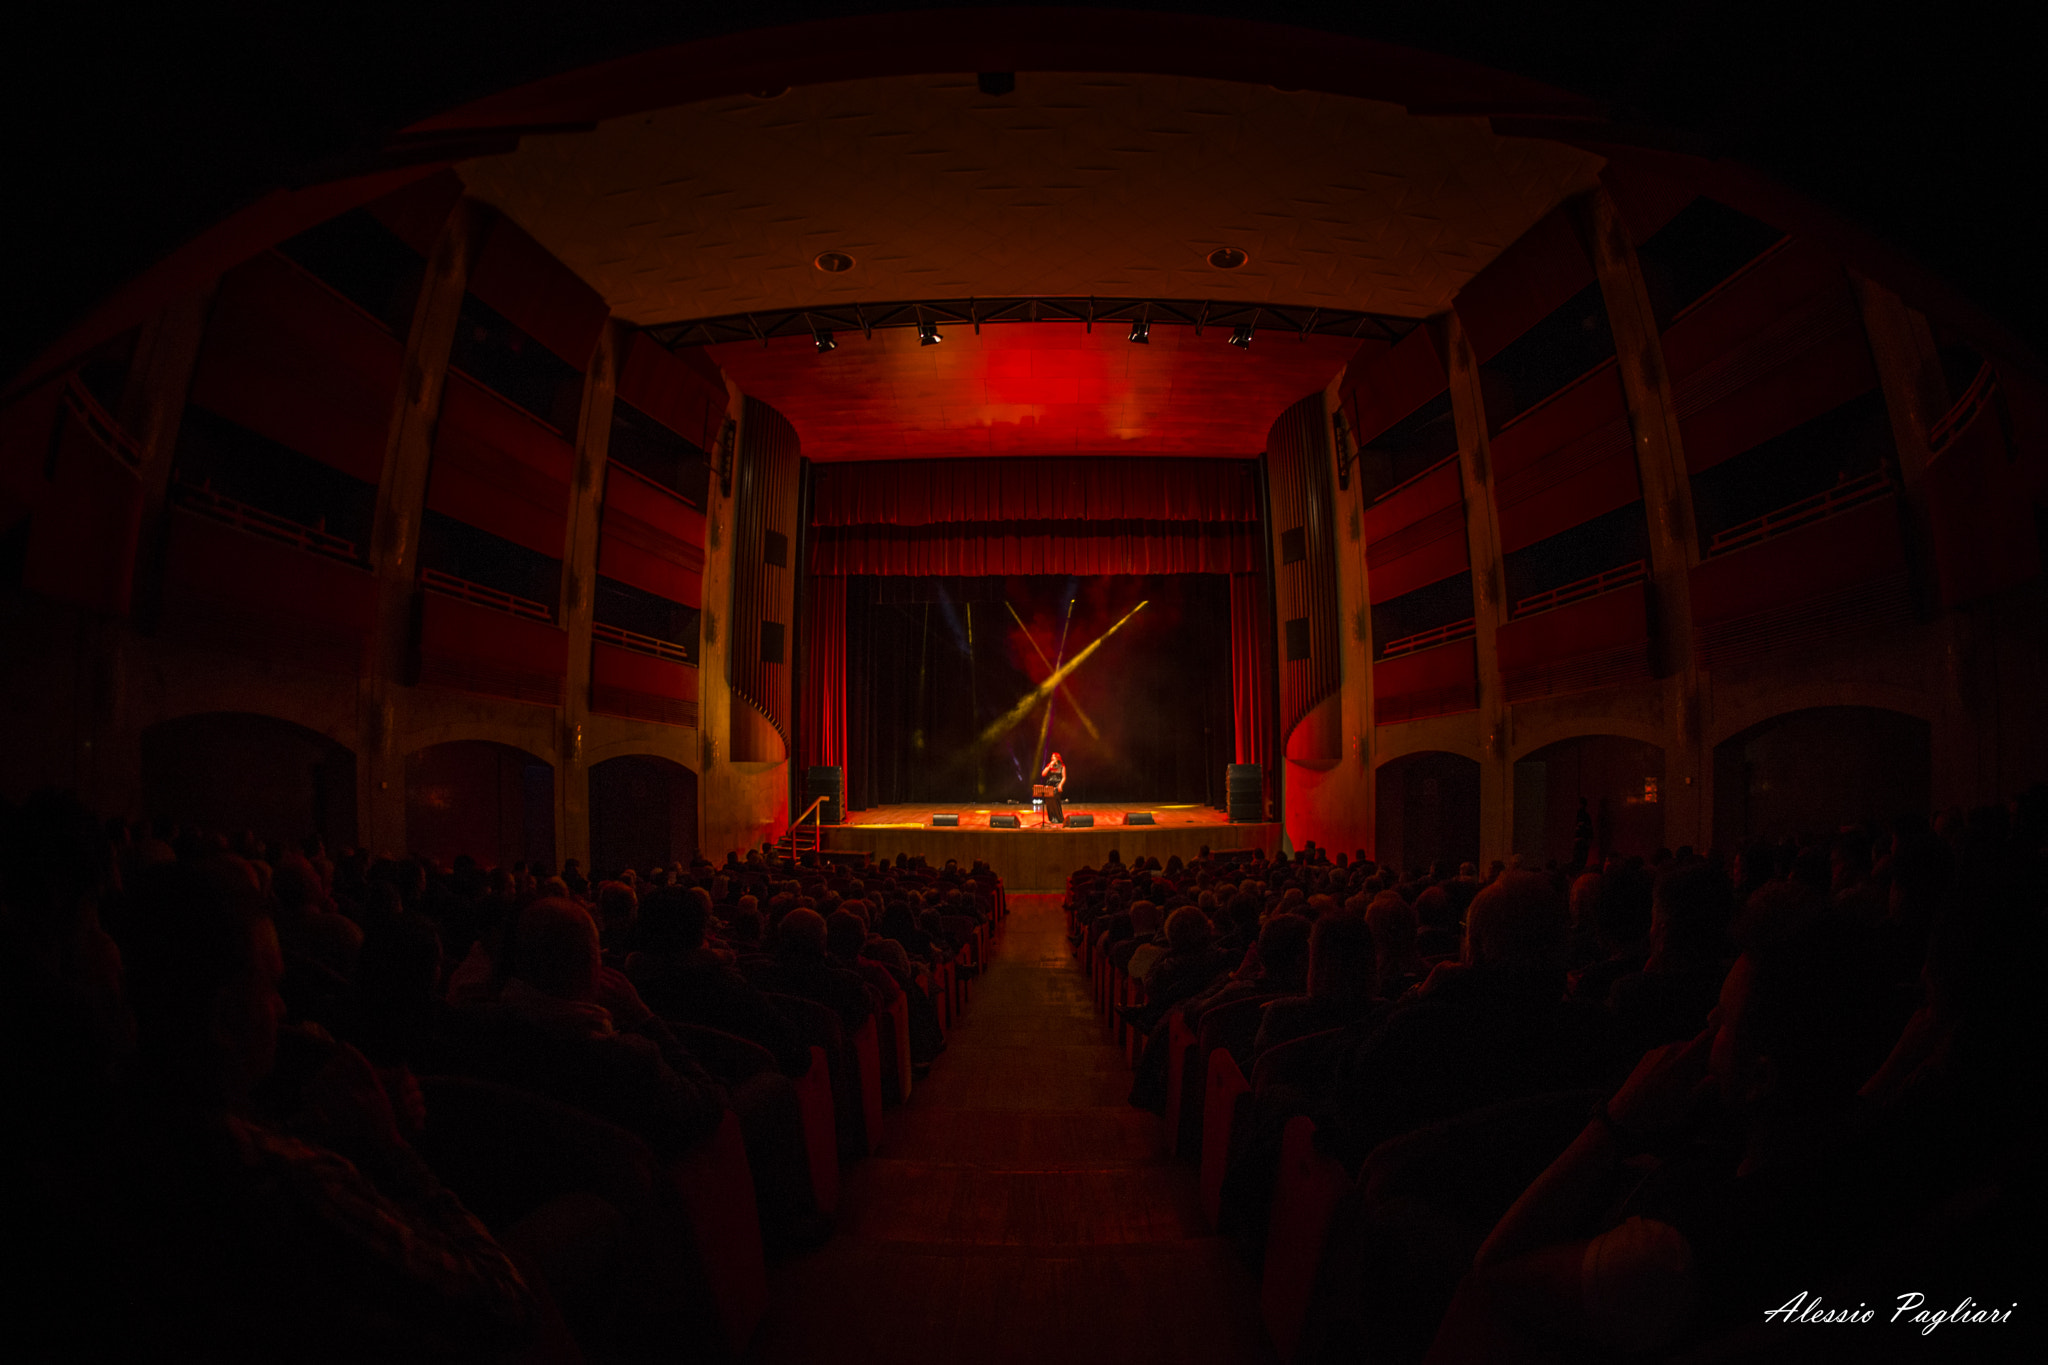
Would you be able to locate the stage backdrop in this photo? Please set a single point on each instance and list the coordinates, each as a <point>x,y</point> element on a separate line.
<point>902,553</point>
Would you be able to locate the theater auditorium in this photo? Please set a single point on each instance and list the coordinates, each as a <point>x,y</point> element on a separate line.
<point>847,684</point>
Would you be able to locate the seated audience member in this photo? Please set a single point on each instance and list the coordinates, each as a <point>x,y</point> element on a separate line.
<point>618,908</point>
<point>799,967</point>
<point>547,1032</point>
<point>681,979</point>
<point>305,926</point>
<point>1145,922</point>
<point>1489,1027</point>
<point>1621,930</point>
<point>1342,961</point>
<point>1190,962</point>
<point>1393,926</point>
<point>846,936</point>
<point>1670,998</point>
<point>237,1241</point>
<point>1281,969</point>
<point>1437,919</point>
<point>1761,1183</point>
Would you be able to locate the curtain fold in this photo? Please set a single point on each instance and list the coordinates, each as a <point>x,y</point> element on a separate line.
<point>1251,670</point>
<point>825,711</point>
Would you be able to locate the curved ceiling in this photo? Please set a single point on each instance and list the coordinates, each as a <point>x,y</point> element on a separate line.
<point>1035,388</point>
<point>1073,184</point>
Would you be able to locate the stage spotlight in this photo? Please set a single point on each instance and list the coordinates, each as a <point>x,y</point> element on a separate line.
<point>928,334</point>
<point>1141,332</point>
<point>824,342</point>
<point>1241,336</point>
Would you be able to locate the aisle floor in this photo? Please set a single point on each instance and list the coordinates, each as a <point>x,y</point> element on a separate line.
<point>1019,1209</point>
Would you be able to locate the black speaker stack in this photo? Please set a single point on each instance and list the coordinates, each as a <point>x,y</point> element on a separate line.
<point>1244,787</point>
<point>829,783</point>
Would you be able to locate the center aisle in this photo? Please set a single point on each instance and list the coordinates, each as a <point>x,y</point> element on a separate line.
<point>1019,1209</point>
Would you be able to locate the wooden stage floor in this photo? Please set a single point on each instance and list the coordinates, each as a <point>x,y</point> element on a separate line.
<point>1037,856</point>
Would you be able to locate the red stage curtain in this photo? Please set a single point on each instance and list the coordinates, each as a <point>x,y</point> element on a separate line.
<point>901,493</point>
<point>1251,669</point>
<point>824,729</point>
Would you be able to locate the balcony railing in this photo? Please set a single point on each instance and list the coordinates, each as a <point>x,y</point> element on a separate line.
<point>644,644</point>
<point>1592,585</point>
<point>1957,419</point>
<point>98,421</point>
<point>1843,496</point>
<point>449,585</point>
<point>1425,639</point>
<point>202,498</point>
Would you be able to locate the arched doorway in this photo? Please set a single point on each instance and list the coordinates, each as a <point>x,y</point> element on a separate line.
<point>492,801</point>
<point>643,812</point>
<point>1621,782</point>
<point>1811,772</point>
<point>229,771</point>
<point>1428,810</point>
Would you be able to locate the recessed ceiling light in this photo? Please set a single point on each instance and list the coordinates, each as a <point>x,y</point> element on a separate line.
<point>1227,258</point>
<point>833,262</point>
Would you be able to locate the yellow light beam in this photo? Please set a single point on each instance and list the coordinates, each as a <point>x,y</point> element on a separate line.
<point>1051,667</point>
<point>1024,708</point>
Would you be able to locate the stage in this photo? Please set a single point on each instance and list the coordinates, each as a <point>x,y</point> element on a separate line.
<point>1037,856</point>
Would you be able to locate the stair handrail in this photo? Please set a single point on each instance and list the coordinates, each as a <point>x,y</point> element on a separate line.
<point>817,825</point>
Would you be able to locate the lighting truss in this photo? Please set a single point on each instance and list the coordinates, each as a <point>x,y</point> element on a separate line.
<point>867,318</point>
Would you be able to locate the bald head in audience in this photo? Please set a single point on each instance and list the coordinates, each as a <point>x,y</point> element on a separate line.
<point>1516,921</point>
<point>555,950</point>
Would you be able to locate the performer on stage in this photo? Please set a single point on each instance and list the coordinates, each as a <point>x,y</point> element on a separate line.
<point>1055,776</point>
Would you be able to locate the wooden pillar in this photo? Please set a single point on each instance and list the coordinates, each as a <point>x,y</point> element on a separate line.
<point>395,534</point>
<point>579,591</point>
<point>1667,510</point>
<point>151,406</point>
<point>1489,585</point>
<point>1354,630</point>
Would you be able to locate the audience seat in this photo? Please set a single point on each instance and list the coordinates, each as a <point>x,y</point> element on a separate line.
<point>718,1190</point>
<point>897,1074</point>
<point>1304,1198</point>
<point>1179,1042</point>
<point>867,1051</point>
<point>821,1138</point>
<point>820,1026</point>
<point>1226,1086</point>
<point>1231,1028</point>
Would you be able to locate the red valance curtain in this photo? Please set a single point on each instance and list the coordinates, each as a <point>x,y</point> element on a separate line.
<point>1038,547</point>
<point>824,730</point>
<point>902,493</point>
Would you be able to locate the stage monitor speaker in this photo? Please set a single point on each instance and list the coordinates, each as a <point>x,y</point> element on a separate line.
<point>1080,822</point>
<point>1002,822</point>
<point>945,821</point>
<point>1140,817</point>
<point>828,783</point>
